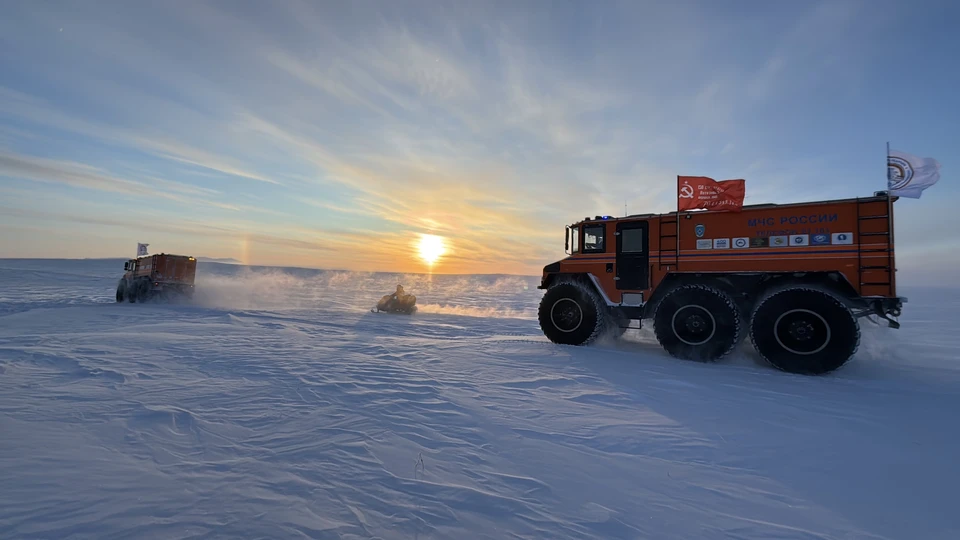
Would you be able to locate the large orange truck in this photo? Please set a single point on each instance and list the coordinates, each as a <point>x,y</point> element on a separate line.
<point>157,276</point>
<point>795,277</point>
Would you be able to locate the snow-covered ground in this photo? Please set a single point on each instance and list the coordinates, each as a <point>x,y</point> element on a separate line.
<point>277,406</point>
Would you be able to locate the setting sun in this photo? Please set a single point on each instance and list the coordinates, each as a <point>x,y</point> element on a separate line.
<point>431,248</point>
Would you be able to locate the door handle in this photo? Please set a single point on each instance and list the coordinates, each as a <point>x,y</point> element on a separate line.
<point>609,268</point>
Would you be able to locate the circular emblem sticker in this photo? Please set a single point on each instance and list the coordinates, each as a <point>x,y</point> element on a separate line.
<point>899,172</point>
<point>740,243</point>
<point>701,230</point>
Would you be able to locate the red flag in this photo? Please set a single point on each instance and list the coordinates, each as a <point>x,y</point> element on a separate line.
<point>695,192</point>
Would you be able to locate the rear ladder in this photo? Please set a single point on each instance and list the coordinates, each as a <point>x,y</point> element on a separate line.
<point>875,255</point>
<point>669,241</point>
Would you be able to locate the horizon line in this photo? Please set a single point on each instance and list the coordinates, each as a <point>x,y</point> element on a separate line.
<point>238,263</point>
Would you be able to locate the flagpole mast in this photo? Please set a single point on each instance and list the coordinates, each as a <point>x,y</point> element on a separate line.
<point>891,260</point>
<point>677,239</point>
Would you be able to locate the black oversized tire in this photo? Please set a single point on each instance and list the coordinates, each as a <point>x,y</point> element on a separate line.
<point>572,314</point>
<point>804,330</point>
<point>697,322</point>
<point>120,291</point>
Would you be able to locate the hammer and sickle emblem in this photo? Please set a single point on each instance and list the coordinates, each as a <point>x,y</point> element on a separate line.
<point>686,191</point>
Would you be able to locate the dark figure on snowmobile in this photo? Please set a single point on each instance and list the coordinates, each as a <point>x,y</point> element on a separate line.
<point>398,302</point>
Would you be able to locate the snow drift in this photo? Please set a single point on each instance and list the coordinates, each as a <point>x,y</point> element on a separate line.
<point>276,405</point>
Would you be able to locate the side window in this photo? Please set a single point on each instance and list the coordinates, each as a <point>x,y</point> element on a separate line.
<point>575,240</point>
<point>593,238</point>
<point>631,241</point>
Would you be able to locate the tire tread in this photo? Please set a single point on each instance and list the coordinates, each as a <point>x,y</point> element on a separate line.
<point>829,295</point>
<point>708,290</point>
<point>600,327</point>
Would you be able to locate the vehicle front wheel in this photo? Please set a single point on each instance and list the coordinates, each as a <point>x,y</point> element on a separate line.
<point>697,322</point>
<point>805,331</point>
<point>571,314</point>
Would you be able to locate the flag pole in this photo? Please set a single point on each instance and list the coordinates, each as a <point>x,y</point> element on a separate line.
<point>677,239</point>
<point>891,260</point>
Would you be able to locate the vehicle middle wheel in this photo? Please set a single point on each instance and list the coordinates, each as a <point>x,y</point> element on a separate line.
<point>805,331</point>
<point>697,322</point>
<point>570,314</point>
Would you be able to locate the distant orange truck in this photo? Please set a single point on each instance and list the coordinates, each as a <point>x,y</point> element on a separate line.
<point>795,277</point>
<point>157,275</point>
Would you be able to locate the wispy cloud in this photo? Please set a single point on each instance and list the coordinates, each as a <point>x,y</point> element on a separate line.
<point>335,134</point>
<point>80,175</point>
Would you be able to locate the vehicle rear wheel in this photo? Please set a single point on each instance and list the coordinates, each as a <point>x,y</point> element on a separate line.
<point>804,331</point>
<point>571,314</point>
<point>697,322</point>
<point>120,292</point>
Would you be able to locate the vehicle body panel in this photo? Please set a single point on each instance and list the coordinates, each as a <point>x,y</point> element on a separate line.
<point>163,270</point>
<point>852,237</point>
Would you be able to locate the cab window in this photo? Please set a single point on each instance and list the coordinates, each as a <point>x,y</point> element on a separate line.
<point>593,238</point>
<point>632,240</point>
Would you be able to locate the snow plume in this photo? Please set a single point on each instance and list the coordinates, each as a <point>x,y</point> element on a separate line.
<point>250,289</point>
<point>472,296</point>
<point>470,311</point>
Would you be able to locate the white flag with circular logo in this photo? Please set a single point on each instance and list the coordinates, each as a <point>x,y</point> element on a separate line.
<point>908,175</point>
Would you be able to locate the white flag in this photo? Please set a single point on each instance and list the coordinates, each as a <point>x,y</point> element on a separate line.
<point>142,249</point>
<point>909,175</point>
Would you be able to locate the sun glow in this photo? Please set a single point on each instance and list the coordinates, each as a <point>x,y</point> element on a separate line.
<point>431,248</point>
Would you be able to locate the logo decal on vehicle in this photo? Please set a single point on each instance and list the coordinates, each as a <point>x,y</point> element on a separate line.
<point>820,240</point>
<point>842,238</point>
<point>800,240</point>
<point>721,243</point>
<point>760,242</point>
<point>779,241</point>
<point>704,244</point>
<point>741,243</point>
<point>701,229</point>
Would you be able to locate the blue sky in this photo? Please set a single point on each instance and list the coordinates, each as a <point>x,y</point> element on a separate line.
<point>331,134</point>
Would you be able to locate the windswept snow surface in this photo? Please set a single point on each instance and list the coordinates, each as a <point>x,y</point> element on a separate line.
<point>275,405</point>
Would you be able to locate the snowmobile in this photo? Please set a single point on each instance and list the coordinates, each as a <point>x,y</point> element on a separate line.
<point>398,302</point>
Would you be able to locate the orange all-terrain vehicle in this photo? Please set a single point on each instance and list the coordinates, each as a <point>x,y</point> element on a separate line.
<point>795,277</point>
<point>157,276</point>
